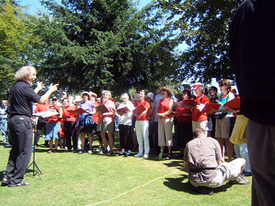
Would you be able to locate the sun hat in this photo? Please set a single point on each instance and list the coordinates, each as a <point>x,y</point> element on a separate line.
<point>85,92</point>
<point>93,94</point>
<point>168,89</point>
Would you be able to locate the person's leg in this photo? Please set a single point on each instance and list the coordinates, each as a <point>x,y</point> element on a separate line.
<point>168,127</point>
<point>82,137</point>
<point>229,149</point>
<point>237,150</point>
<point>244,154</point>
<point>146,139</point>
<point>225,134</point>
<point>161,135</point>
<point>13,152</point>
<point>22,128</point>
<point>90,136</point>
<point>122,138</point>
<point>56,144</point>
<point>68,133</point>
<point>51,145</point>
<point>129,142</point>
<point>74,135</point>
<point>111,141</point>
<point>139,133</point>
<point>221,142</point>
<point>261,147</point>
<point>155,143</point>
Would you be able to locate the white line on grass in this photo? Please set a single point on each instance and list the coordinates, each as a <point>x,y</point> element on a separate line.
<point>124,193</point>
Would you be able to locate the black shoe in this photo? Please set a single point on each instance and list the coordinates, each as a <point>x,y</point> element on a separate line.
<point>20,184</point>
<point>5,181</point>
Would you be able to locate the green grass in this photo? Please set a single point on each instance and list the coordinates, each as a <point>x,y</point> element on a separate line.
<point>87,179</point>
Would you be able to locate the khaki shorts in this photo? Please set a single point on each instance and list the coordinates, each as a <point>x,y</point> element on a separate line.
<point>202,124</point>
<point>165,135</point>
<point>106,126</point>
<point>223,127</point>
<point>226,172</point>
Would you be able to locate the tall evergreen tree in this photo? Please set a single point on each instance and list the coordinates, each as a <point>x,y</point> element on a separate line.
<point>102,44</point>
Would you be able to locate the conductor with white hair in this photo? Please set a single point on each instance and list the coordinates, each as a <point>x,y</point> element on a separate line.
<point>21,132</point>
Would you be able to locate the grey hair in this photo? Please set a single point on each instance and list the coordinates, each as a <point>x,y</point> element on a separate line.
<point>202,89</point>
<point>23,72</point>
<point>125,95</point>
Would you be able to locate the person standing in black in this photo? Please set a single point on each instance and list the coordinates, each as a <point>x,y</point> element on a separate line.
<point>252,39</point>
<point>21,132</point>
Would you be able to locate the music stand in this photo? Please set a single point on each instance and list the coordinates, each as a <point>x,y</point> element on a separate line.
<point>36,169</point>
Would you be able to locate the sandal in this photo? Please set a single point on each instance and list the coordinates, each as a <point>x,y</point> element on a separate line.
<point>169,156</point>
<point>204,190</point>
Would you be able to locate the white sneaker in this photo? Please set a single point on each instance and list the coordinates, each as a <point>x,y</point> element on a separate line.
<point>146,156</point>
<point>138,155</point>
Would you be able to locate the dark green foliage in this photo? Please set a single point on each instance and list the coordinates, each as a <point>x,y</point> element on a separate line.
<point>203,26</point>
<point>102,44</point>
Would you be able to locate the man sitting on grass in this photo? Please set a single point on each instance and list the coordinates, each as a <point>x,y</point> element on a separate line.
<point>203,157</point>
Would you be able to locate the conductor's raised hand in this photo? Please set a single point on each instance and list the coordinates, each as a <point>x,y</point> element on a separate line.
<point>53,87</point>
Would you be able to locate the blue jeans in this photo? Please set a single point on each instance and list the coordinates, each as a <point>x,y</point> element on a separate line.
<point>4,129</point>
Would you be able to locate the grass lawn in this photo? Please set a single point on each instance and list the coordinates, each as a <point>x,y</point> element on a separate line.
<point>93,179</point>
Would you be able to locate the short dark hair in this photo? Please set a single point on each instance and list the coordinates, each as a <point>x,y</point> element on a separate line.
<point>188,93</point>
<point>214,88</point>
<point>198,132</point>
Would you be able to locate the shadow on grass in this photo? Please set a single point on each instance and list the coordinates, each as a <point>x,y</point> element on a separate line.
<point>180,184</point>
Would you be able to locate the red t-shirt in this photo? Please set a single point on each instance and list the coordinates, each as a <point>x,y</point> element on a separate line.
<point>96,116</point>
<point>147,105</point>
<point>68,115</point>
<point>163,106</point>
<point>42,107</point>
<point>55,118</point>
<point>196,115</point>
<point>184,114</point>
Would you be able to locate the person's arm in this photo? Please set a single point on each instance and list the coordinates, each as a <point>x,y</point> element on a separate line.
<point>60,112</point>
<point>161,115</point>
<point>40,85</point>
<point>219,162</point>
<point>52,89</point>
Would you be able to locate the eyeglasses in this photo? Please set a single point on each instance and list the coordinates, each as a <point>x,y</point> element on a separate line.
<point>54,99</point>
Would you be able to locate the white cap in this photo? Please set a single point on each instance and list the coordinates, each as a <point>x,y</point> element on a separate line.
<point>150,95</point>
<point>77,99</point>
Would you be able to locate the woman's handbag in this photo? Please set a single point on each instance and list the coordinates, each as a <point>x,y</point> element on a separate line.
<point>238,133</point>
